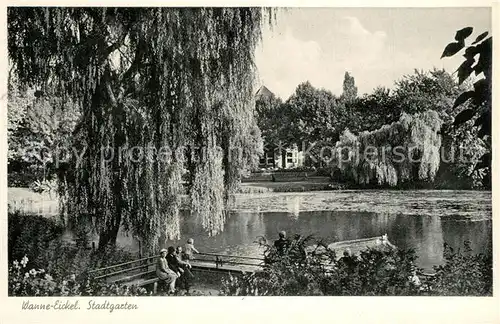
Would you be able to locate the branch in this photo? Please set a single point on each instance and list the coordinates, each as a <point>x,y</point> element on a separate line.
<point>111,48</point>
<point>139,53</point>
<point>116,45</point>
<point>125,56</point>
<point>9,78</point>
<point>111,95</point>
<point>134,67</point>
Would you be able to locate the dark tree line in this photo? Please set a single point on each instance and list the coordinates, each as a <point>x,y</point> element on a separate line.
<point>313,115</point>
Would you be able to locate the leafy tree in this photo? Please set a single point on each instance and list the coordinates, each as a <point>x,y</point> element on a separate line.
<point>419,92</point>
<point>413,93</point>
<point>310,118</point>
<point>406,150</point>
<point>268,113</point>
<point>310,115</point>
<point>478,60</point>
<point>39,130</point>
<point>350,91</point>
<point>436,90</point>
<point>377,109</point>
<point>313,118</point>
<point>149,79</point>
<point>422,91</point>
<point>249,150</point>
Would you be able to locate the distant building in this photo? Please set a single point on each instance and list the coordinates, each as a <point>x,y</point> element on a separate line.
<point>289,157</point>
<point>263,92</point>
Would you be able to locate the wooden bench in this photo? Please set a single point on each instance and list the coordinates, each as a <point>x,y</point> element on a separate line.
<point>142,272</point>
<point>133,277</point>
<point>147,282</point>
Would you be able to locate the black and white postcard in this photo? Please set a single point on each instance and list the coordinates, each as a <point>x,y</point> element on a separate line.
<point>159,154</point>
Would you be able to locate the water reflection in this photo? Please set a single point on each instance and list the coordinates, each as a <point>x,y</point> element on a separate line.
<point>445,203</point>
<point>293,206</point>
<point>425,234</point>
<point>421,220</point>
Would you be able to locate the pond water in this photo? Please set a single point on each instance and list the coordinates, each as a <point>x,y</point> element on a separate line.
<point>422,220</point>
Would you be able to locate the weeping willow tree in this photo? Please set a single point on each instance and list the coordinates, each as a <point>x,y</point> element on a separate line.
<point>406,150</point>
<point>161,91</point>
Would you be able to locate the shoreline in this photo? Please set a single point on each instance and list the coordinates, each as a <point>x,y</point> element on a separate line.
<point>430,202</point>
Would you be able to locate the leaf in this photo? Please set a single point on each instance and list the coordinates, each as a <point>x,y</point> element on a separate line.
<point>485,130</point>
<point>480,38</point>
<point>463,116</point>
<point>463,98</point>
<point>444,129</point>
<point>452,49</point>
<point>484,61</point>
<point>463,33</point>
<point>464,70</point>
<point>484,162</point>
<point>484,119</point>
<point>470,52</point>
<point>481,87</point>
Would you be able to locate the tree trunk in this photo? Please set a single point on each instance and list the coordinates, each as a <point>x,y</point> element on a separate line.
<point>108,238</point>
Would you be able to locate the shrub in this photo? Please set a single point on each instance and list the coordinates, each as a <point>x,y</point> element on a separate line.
<point>320,272</point>
<point>373,272</point>
<point>40,240</point>
<point>324,172</point>
<point>33,282</point>
<point>32,236</point>
<point>464,274</point>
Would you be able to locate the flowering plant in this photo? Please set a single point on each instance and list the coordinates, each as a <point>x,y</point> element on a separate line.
<point>37,282</point>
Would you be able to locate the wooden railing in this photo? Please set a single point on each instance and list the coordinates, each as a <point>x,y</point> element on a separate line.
<point>203,260</point>
<point>221,259</point>
<point>121,268</point>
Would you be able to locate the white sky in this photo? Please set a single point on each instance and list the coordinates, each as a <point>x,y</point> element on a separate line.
<point>377,46</point>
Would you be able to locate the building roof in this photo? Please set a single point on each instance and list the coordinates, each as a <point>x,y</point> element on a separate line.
<point>264,92</point>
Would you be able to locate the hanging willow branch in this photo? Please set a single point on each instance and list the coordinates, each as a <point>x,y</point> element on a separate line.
<point>406,150</point>
<point>153,84</point>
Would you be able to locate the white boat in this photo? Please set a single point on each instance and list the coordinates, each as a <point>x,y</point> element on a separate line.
<point>354,246</point>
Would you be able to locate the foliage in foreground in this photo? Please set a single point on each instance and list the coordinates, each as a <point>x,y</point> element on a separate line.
<point>478,60</point>
<point>464,273</point>
<point>39,283</point>
<point>41,240</point>
<point>33,282</point>
<point>371,273</point>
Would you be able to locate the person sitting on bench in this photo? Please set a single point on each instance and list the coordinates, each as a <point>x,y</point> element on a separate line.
<point>164,272</point>
<point>187,277</point>
<point>175,263</point>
